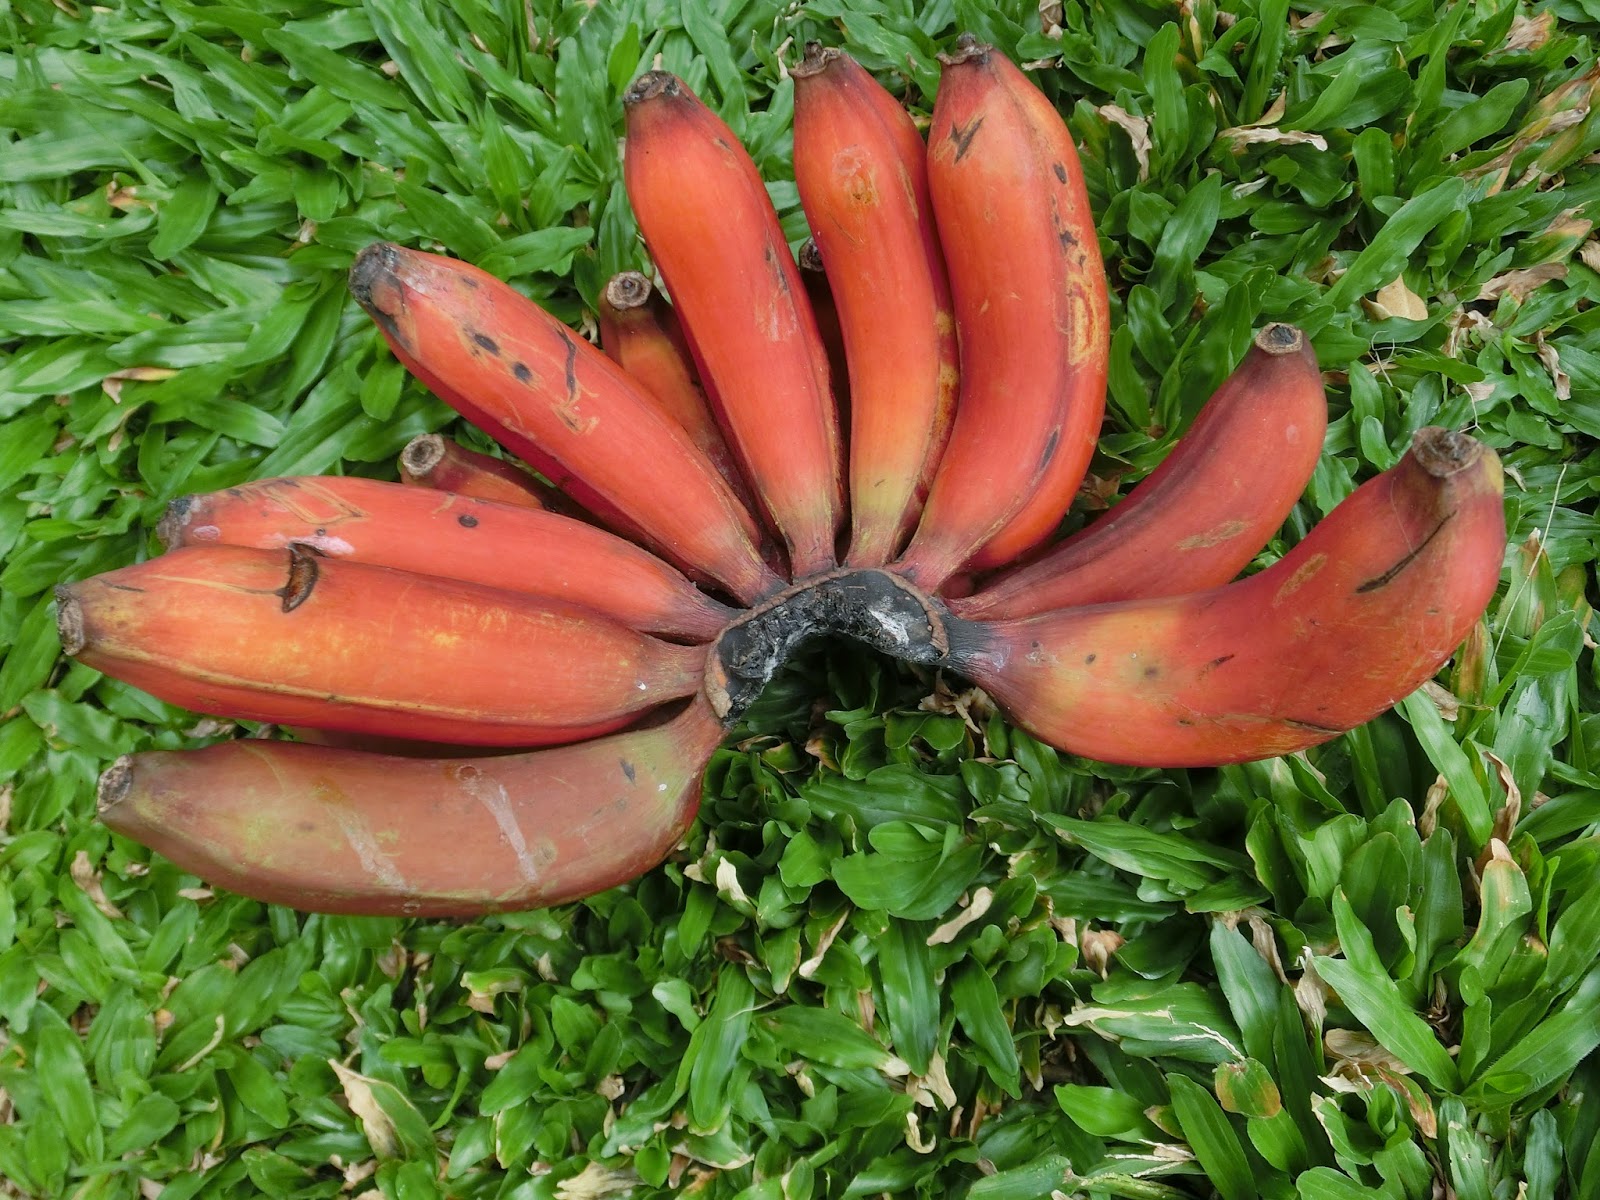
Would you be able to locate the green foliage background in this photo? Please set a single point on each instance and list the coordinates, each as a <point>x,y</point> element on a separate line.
<point>907,950</point>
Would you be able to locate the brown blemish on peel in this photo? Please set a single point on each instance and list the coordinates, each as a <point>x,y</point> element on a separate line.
<point>303,574</point>
<point>1214,536</point>
<point>1388,577</point>
<point>962,138</point>
<point>1303,575</point>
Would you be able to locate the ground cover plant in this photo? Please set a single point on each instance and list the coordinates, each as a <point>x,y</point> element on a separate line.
<point>907,950</point>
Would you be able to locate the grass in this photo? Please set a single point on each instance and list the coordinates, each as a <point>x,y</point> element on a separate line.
<point>907,950</point>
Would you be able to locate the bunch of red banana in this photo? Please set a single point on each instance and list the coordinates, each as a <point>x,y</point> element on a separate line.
<point>551,662</point>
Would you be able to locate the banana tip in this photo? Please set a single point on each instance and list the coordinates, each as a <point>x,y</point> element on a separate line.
<point>817,60</point>
<point>169,530</point>
<point>1279,339</point>
<point>1444,452</point>
<point>69,621</point>
<point>422,454</point>
<point>810,255</point>
<point>628,290</point>
<point>969,49</point>
<point>373,279</point>
<point>115,784</point>
<point>652,84</point>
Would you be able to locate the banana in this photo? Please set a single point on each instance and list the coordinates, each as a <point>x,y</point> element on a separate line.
<point>1358,615</point>
<point>437,533</point>
<point>640,333</point>
<point>343,831</point>
<point>1197,520</point>
<point>712,231</point>
<point>550,397</point>
<point>436,462</point>
<point>823,307</point>
<point>1032,316</point>
<point>861,169</point>
<point>293,638</point>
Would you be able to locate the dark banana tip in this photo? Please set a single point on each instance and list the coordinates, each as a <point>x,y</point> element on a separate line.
<point>652,84</point>
<point>1279,339</point>
<point>817,60</point>
<point>115,784</point>
<point>810,256</point>
<point>968,50</point>
<point>422,454</point>
<point>374,281</point>
<point>1443,452</point>
<point>628,290</point>
<point>169,530</point>
<point>69,621</point>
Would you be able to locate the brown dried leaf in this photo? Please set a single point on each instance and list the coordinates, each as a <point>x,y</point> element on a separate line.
<point>1589,253</point>
<point>1443,699</point>
<point>1098,945</point>
<point>1249,135</point>
<point>1529,33</point>
<point>982,898</point>
<point>1138,131</point>
<point>1395,299</point>
<point>1518,284</point>
<point>1050,13</point>
<point>1511,812</point>
<point>1552,363</point>
<point>595,1182</point>
<point>375,1123</point>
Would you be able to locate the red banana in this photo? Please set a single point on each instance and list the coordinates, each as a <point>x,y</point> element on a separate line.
<point>297,639</point>
<point>1197,520</point>
<point>861,170</point>
<point>712,230</point>
<point>432,461</point>
<point>640,333</point>
<point>550,397</point>
<point>344,831</point>
<point>1358,615</point>
<point>438,533</point>
<point>1031,311</point>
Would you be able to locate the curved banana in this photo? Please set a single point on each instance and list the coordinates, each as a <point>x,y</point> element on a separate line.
<point>559,404</point>
<point>1031,311</point>
<point>1197,520</point>
<point>344,831</point>
<point>712,231</point>
<point>438,533</point>
<point>640,332</point>
<point>862,173</point>
<point>297,639</point>
<point>1349,622</point>
<point>433,461</point>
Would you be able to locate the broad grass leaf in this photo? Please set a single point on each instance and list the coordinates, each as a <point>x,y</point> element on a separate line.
<point>976,1005</point>
<point>59,1068</point>
<point>715,1051</point>
<point>1212,1138</point>
<point>910,996</point>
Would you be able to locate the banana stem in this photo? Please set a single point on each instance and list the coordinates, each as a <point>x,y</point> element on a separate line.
<point>870,606</point>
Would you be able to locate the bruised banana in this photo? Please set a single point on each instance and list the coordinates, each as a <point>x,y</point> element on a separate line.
<point>710,227</point>
<point>545,393</point>
<point>861,170</point>
<point>343,831</point>
<point>1031,311</point>
<point>297,639</point>
<point>1357,616</point>
<point>1197,520</point>
<point>438,533</point>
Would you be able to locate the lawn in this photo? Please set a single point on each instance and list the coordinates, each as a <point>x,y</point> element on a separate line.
<point>906,950</point>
